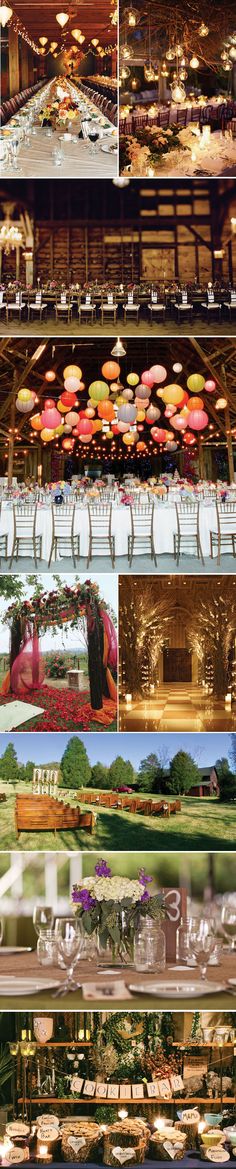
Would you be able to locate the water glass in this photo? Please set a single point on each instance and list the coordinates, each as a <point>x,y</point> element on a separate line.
<point>43,918</point>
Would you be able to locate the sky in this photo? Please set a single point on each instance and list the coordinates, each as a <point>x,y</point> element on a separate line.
<point>42,748</point>
<point>108,589</point>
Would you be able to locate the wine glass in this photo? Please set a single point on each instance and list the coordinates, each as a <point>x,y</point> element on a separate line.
<point>202,943</point>
<point>43,918</point>
<point>228,922</point>
<point>69,941</point>
<point>1,930</point>
<point>93,138</point>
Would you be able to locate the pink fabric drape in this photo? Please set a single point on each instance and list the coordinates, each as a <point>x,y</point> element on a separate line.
<point>111,638</point>
<point>27,672</point>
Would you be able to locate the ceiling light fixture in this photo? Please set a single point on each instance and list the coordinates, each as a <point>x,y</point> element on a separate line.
<point>62,18</point>
<point>118,349</point>
<point>5,14</point>
<point>43,41</point>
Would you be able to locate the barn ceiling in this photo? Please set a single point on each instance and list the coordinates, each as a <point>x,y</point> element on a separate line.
<point>40,20</point>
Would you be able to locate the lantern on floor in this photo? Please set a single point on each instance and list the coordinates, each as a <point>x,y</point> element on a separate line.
<point>132,379</point>
<point>98,390</point>
<point>198,419</point>
<point>110,370</point>
<point>172,395</point>
<point>195,383</point>
<point>210,385</point>
<point>158,373</point>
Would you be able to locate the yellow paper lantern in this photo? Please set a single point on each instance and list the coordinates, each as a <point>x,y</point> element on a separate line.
<point>172,395</point>
<point>62,409</point>
<point>24,395</point>
<point>109,434</point>
<point>195,383</point>
<point>59,429</point>
<point>120,400</point>
<point>132,379</point>
<point>129,438</point>
<point>96,425</point>
<point>47,435</point>
<point>72,371</point>
<point>140,416</point>
<point>99,390</point>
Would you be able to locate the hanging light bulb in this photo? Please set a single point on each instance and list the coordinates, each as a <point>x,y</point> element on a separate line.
<point>53,46</point>
<point>124,73</point>
<point>178,50</point>
<point>43,41</point>
<point>203,29</point>
<point>76,33</point>
<point>81,39</point>
<point>126,52</point>
<point>178,92</point>
<point>223,55</point>
<point>62,18</point>
<point>227,67</point>
<point>5,14</point>
<point>194,62</point>
<point>183,74</point>
<point>164,70</point>
<point>232,53</point>
<point>149,72</point>
<point>121,183</point>
<point>95,42</point>
<point>170,55</point>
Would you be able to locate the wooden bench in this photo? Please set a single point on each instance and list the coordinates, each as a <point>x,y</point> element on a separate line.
<point>130,803</point>
<point>46,814</point>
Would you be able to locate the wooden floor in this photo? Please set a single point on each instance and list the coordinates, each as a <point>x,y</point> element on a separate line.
<point>131,329</point>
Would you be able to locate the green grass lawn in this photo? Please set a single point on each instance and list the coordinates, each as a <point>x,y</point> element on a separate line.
<point>201,825</point>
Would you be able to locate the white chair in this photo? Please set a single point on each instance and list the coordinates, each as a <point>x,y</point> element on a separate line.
<point>230,305</point>
<point>141,539</point>
<point>24,533</point>
<point>87,307</point>
<point>64,539</point>
<point>109,307</point>
<point>155,307</point>
<point>211,305</point>
<point>37,306</point>
<point>3,303</point>
<point>3,538</point>
<point>101,540</point>
<point>63,307</point>
<point>131,307</point>
<point>226,528</point>
<point>16,306</point>
<point>184,307</point>
<point>188,533</point>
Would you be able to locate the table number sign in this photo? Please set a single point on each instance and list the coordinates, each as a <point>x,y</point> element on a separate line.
<point>176,908</point>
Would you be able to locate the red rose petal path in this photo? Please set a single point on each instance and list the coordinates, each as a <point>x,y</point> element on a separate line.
<point>66,711</point>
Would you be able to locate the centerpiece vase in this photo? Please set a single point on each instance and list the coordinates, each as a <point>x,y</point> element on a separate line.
<point>117,951</point>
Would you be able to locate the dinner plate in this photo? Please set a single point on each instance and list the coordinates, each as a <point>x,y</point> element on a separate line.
<point>9,985</point>
<point>109,149</point>
<point>176,989</point>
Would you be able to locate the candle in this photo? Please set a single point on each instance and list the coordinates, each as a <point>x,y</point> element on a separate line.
<point>159,1123</point>
<point>228,699</point>
<point>123,1114</point>
<point>128,699</point>
<point>201,1127</point>
<point>44,1155</point>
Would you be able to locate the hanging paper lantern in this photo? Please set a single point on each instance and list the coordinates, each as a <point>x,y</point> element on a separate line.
<point>49,404</point>
<point>127,395</point>
<point>116,387</point>
<point>67,444</point>
<point>89,412</point>
<point>114,428</point>
<point>169,411</point>
<point>195,383</point>
<point>132,379</point>
<point>147,379</point>
<point>173,395</point>
<point>141,403</point>
<point>72,418</point>
<point>73,385</point>
<point>141,446</point>
<point>198,419</point>
<point>66,429</point>
<point>221,403</point>
<point>24,407</point>
<point>110,370</point>
<point>63,409</point>
<point>51,418</point>
<point>196,404</point>
<point>85,426</point>
<point>153,414</point>
<point>130,438</point>
<point>177,367</point>
<point>85,438</point>
<point>47,435</point>
<point>106,411</point>
<point>96,426</point>
<point>61,429</point>
<point>158,434</point>
<point>68,398</point>
<point>36,422</point>
<point>189,438</point>
<point>140,416</point>
<point>123,427</point>
<point>179,423</point>
<point>171,446</point>
<point>127,413</point>
<point>24,395</point>
<point>185,399</point>
<point>210,385</point>
<point>50,375</point>
<point>158,373</point>
<point>72,371</point>
<point>98,391</point>
<point>143,391</point>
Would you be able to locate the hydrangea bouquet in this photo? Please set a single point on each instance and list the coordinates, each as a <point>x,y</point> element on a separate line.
<point>112,907</point>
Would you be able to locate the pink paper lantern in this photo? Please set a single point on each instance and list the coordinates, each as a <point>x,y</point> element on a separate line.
<point>210,385</point>
<point>197,419</point>
<point>72,384</point>
<point>158,434</point>
<point>51,418</point>
<point>169,411</point>
<point>85,426</point>
<point>180,423</point>
<point>158,374</point>
<point>147,379</point>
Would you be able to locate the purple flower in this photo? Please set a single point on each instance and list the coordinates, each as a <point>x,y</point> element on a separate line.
<point>102,869</point>
<point>83,897</point>
<point>144,877</point>
<point>145,896</point>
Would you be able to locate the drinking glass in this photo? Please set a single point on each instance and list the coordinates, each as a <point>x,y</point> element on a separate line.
<point>57,155</point>
<point>69,942</point>
<point>1,930</point>
<point>202,943</point>
<point>43,918</point>
<point>93,139</point>
<point>228,922</point>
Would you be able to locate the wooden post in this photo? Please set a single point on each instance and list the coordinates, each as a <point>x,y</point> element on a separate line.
<point>14,72</point>
<point>229,444</point>
<point>200,458</point>
<point>11,446</point>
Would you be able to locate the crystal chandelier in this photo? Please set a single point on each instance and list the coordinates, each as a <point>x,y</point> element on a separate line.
<point>10,238</point>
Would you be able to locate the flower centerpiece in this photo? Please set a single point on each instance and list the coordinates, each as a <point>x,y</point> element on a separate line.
<point>58,113</point>
<point>112,907</point>
<point>146,149</point>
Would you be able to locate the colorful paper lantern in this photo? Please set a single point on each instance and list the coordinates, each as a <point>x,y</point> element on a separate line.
<point>85,426</point>
<point>63,409</point>
<point>179,423</point>
<point>158,434</point>
<point>96,426</point>
<point>140,416</point>
<point>132,379</point>
<point>110,370</point>
<point>196,404</point>
<point>127,413</point>
<point>47,435</point>
<point>143,391</point>
<point>68,398</point>
<point>50,375</point>
<point>98,391</point>
<point>127,395</point>
<point>171,446</point>
<point>123,427</point>
<point>173,395</point>
<point>169,411</point>
<point>106,410</point>
<point>152,414</point>
<point>147,379</point>
<point>51,418</point>
<point>158,373</point>
<point>67,444</point>
<point>141,446</point>
<point>130,438</point>
<point>72,418</point>
<point>210,385</point>
<point>189,438</point>
<point>89,412</point>
<point>221,403</point>
<point>72,385</point>
<point>24,395</point>
<point>61,429</point>
<point>49,404</point>
<point>72,371</point>
<point>195,383</point>
<point>36,422</point>
<point>198,419</point>
<point>85,438</point>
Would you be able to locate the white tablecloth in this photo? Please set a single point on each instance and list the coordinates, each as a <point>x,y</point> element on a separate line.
<point>164,528</point>
<point>36,161</point>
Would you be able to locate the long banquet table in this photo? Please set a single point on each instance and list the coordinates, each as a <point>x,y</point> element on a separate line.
<point>26,966</point>
<point>165,525</point>
<point>36,157</point>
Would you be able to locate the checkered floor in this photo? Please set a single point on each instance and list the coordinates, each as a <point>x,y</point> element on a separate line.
<point>177,707</point>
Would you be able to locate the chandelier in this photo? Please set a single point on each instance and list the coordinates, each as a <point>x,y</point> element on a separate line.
<point>5,14</point>
<point>10,238</point>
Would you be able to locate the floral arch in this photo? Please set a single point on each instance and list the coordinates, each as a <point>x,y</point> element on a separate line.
<point>63,607</point>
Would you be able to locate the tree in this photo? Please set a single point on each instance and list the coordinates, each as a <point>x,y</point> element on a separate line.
<point>184,773</point>
<point>228,787</point>
<point>75,765</point>
<point>29,768</point>
<point>222,768</point>
<point>99,776</point>
<point>121,772</point>
<point>11,586</point>
<point>9,770</point>
<point>151,774</point>
<point>233,751</point>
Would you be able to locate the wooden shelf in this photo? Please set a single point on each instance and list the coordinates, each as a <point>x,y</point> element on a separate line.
<point>67,1043</point>
<point>196,1043</point>
<point>145,1100</point>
